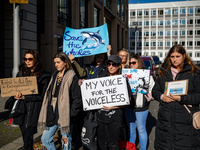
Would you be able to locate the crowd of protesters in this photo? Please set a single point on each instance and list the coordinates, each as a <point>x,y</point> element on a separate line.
<point>58,104</point>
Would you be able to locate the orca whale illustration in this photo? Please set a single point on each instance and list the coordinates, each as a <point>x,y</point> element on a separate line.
<point>92,36</point>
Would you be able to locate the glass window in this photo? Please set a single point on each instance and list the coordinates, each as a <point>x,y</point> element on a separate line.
<point>153,43</point>
<point>122,11</point>
<point>153,33</point>
<point>190,11</point>
<point>83,15</point>
<point>182,43</point>
<point>160,12</point>
<point>197,10</point>
<point>167,33</point>
<point>197,54</point>
<point>175,11</point>
<point>160,43</point>
<point>139,13</point>
<point>146,13</point>
<point>167,11</point>
<point>153,53</point>
<point>198,43</point>
<point>174,32</point>
<point>197,32</point>
<point>197,21</point>
<point>167,44</point>
<point>64,12</point>
<point>146,23</point>
<point>160,22</point>
<point>119,7</point>
<point>153,23</point>
<point>153,12</point>
<point>146,33</point>
<point>96,17</point>
<point>146,43</point>
<point>189,43</point>
<point>182,11</point>
<point>160,54</point>
<point>190,32</point>
<point>132,13</point>
<point>190,21</point>
<point>167,22</point>
<point>140,23</point>
<point>189,54</point>
<point>160,33</point>
<point>182,22</point>
<point>174,22</point>
<point>182,32</point>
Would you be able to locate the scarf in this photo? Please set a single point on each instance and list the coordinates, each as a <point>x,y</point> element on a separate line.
<point>63,104</point>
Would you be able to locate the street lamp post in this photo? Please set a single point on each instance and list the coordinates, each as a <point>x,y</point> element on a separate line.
<point>136,24</point>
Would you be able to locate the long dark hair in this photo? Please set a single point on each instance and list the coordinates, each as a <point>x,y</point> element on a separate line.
<point>168,64</point>
<point>139,59</point>
<point>64,58</point>
<point>37,66</point>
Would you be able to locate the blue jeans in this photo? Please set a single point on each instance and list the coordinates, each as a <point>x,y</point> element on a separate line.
<point>47,138</point>
<point>137,120</point>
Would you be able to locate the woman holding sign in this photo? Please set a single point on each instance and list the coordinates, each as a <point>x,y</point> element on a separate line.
<point>174,129</point>
<point>61,104</point>
<point>136,113</point>
<point>110,118</point>
<point>28,121</point>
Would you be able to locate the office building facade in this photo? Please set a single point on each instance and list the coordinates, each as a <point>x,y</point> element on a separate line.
<point>159,26</point>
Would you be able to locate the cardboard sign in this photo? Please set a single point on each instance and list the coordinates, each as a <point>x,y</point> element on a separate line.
<point>179,87</point>
<point>19,1</point>
<point>85,42</point>
<point>138,80</point>
<point>26,85</point>
<point>107,91</point>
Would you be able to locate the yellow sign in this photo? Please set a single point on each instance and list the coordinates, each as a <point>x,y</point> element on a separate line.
<point>19,1</point>
<point>26,85</point>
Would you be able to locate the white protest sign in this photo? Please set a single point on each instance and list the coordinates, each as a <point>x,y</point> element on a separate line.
<point>107,91</point>
<point>138,79</point>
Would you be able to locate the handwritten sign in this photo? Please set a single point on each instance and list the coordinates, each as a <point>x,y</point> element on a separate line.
<point>107,91</point>
<point>26,85</point>
<point>85,42</point>
<point>138,79</point>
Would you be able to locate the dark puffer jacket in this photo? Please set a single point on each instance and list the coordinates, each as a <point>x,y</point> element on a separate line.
<point>174,130</point>
<point>33,102</point>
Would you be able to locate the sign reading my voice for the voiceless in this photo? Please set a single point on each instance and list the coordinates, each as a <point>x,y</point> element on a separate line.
<point>26,85</point>
<point>107,91</point>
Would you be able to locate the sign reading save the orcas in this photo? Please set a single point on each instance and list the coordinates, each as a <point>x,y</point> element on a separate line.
<point>107,91</point>
<point>85,42</point>
<point>138,80</point>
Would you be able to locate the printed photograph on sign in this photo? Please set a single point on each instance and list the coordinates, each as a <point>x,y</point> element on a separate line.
<point>85,42</point>
<point>106,91</point>
<point>138,80</point>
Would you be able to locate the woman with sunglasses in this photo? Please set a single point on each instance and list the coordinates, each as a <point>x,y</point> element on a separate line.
<point>28,121</point>
<point>110,118</point>
<point>136,114</point>
<point>61,105</point>
<point>124,55</point>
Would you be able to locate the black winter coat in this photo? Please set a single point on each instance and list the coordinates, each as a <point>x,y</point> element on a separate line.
<point>33,102</point>
<point>174,130</point>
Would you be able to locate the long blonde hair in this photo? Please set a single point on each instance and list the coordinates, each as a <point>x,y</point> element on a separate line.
<point>127,55</point>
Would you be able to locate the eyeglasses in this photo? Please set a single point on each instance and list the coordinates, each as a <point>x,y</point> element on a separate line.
<point>133,62</point>
<point>112,64</point>
<point>29,59</point>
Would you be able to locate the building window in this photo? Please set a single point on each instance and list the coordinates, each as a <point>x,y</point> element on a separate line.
<point>167,44</point>
<point>139,13</point>
<point>107,3</point>
<point>182,32</point>
<point>146,13</point>
<point>160,12</point>
<point>83,14</point>
<point>182,43</point>
<point>146,23</point>
<point>64,12</point>
<point>174,22</point>
<point>167,11</point>
<point>197,10</point>
<point>153,23</point>
<point>140,23</point>
<point>153,53</point>
<point>160,54</point>
<point>190,21</point>
<point>160,33</point>
<point>175,33</point>
<point>132,13</point>
<point>96,17</point>
<point>146,33</point>
<point>182,11</point>
<point>153,12</point>
<point>153,43</point>
<point>146,43</point>
<point>160,43</point>
<point>174,43</point>
<point>189,43</point>
<point>131,23</point>
<point>197,54</point>
<point>167,33</point>
<point>167,22</point>
<point>160,22</point>
<point>119,7</point>
<point>182,22</point>
<point>153,33</point>
<point>175,11</point>
<point>197,43</point>
<point>190,32</point>
<point>123,11</point>
<point>197,21</point>
<point>189,54</point>
<point>197,32</point>
<point>190,11</point>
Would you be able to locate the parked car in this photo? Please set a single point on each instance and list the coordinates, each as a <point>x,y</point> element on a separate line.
<point>149,64</point>
<point>157,63</point>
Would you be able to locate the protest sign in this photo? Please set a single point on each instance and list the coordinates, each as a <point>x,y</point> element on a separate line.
<point>107,91</point>
<point>26,85</point>
<point>85,42</point>
<point>138,80</point>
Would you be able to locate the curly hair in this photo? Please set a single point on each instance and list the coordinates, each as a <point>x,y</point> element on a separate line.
<point>168,64</point>
<point>37,66</point>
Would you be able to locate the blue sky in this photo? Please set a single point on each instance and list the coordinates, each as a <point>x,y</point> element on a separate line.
<point>151,1</point>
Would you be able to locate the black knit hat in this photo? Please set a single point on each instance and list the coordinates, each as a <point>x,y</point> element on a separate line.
<point>114,58</point>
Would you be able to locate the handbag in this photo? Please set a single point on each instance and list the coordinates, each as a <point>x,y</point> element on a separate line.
<point>17,109</point>
<point>88,134</point>
<point>195,118</point>
<point>9,103</point>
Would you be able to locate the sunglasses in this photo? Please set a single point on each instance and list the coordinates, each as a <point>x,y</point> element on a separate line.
<point>112,64</point>
<point>29,59</point>
<point>133,62</point>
